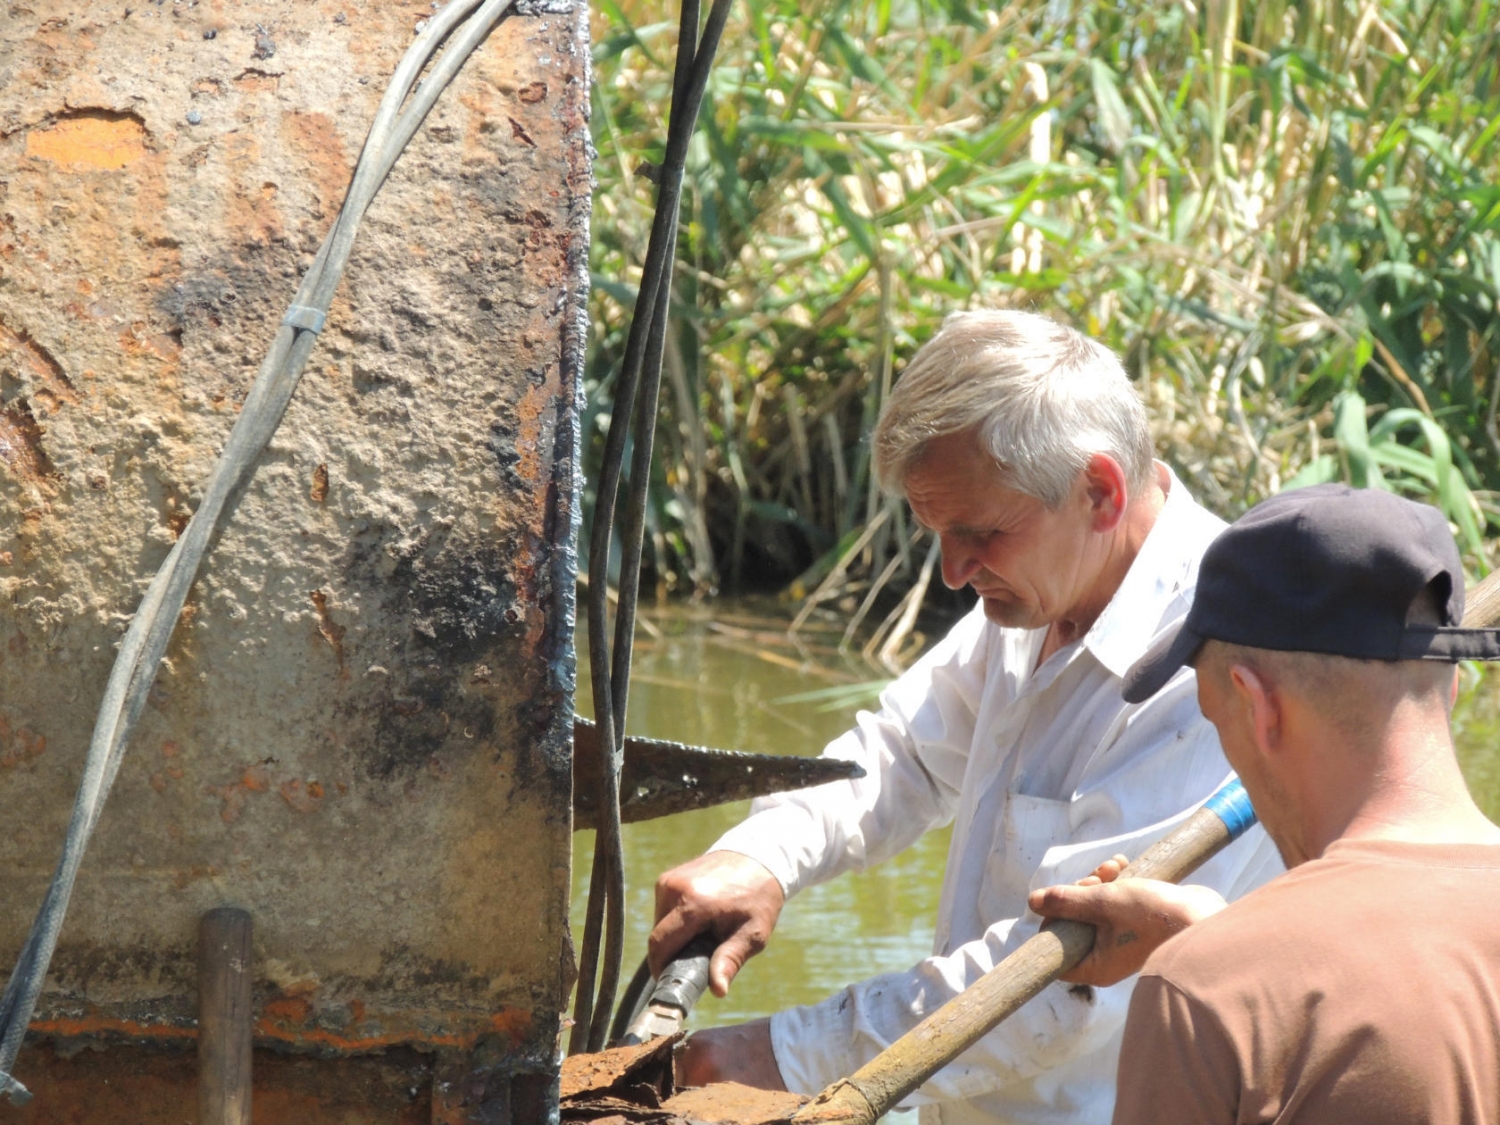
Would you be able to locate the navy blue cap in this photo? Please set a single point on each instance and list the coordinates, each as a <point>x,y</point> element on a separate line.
<point>1328,569</point>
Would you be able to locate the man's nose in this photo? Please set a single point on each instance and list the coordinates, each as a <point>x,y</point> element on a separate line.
<point>959,565</point>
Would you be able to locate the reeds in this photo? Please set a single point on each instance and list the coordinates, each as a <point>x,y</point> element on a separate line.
<point>1284,217</point>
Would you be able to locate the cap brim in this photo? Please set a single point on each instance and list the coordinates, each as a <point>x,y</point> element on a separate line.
<point>1150,673</point>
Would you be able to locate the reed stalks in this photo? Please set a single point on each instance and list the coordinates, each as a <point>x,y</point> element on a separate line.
<point>1284,217</point>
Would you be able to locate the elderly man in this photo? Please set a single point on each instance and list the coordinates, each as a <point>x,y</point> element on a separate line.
<point>1364,984</point>
<point>1023,447</point>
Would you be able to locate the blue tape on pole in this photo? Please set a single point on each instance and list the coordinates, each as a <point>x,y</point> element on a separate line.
<point>1232,805</point>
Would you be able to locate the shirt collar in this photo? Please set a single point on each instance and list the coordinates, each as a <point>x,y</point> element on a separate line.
<point>1163,569</point>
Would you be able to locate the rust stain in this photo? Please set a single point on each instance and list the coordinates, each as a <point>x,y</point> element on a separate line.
<point>51,384</point>
<point>316,138</point>
<point>255,779</point>
<point>511,1023</point>
<point>138,339</point>
<point>54,36</point>
<point>252,215</point>
<point>233,798</point>
<point>100,167</point>
<point>514,1023</point>
<point>646,1063</point>
<point>95,1024</point>
<point>331,632</point>
<point>285,1019</point>
<point>178,516</point>
<point>194,872</point>
<point>19,746</point>
<point>734,1104</point>
<point>318,492</point>
<point>255,80</point>
<point>532,93</point>
<point>296,1009</point>
<point>159,780</point>
<point>302,797</point>
<point>21,444</point>
<point>478,135</point>
<point>518,131</point>
<point>92,138</point>
<point>157,1085</point>
<point>531,411</point>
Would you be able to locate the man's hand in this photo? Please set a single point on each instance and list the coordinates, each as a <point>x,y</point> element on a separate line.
<point>739,1053</point>
<point>728,893</point>
<point>1133,918</point>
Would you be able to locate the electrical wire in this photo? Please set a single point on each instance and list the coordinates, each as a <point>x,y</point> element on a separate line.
<point>635,413</point>
<point>467,22</point>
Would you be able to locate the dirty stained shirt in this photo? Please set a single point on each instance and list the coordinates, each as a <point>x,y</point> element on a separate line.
<point>1045,772</point>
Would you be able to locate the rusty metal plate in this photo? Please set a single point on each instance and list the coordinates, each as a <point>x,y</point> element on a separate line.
<point>361,733</point>
<point>660,777</point>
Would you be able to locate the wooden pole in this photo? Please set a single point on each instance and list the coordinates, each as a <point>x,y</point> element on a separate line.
<point>891,1075</point>
<point>877,1086</point>
<point>224,1017</point>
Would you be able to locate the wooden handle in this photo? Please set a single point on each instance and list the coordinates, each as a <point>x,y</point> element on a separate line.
<point>877,1086</point>
<point>1482,603</point>
<point>224,1017</point>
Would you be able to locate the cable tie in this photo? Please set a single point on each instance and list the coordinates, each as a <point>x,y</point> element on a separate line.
<point>19,1095</point>
<point>305,317</point>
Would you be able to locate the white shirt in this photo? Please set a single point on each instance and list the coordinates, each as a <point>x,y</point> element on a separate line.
<point>1045,774</point>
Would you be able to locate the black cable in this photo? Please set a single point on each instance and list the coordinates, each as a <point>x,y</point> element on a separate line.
<point>634,416</point>
<point>632,1002</point>
<point>604,882</point>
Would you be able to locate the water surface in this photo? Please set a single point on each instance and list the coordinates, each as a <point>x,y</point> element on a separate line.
<point>721,675</point>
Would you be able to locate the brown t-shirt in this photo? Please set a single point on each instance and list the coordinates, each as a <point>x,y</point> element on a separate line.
<point>1358,989</point>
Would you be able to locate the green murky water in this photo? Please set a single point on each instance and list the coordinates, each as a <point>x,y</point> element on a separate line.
<point>722,676</point>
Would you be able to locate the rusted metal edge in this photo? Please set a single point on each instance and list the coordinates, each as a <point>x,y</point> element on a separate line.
<point>375,1032</point>
<point>661,777</point>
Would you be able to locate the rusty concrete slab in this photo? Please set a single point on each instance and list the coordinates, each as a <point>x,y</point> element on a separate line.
<point>155,1086</point>
<point>361,731</point>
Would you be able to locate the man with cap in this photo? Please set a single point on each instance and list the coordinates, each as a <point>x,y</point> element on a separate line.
<point>1364,984</point>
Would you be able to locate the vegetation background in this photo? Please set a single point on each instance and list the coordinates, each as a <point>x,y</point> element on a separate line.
<point>1285,218</point>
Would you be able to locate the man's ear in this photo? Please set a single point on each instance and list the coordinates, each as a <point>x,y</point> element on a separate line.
<point>1255,694</point>
<point>1107,491</point>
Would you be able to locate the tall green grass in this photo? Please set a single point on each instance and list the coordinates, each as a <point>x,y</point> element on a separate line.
<point>1284,217</point>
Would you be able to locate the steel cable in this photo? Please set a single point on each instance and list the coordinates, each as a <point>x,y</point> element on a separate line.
<point>155,618</point>
<point>633,418</point>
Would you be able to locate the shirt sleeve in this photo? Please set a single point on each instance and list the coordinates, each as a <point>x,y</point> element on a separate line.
<point>1134,796</point>
<point>1177,1063</point>
<point>818,1044</point>
<point>914,750</point>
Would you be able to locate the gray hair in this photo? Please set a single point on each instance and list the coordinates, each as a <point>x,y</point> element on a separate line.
<point>1041,399</point>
